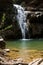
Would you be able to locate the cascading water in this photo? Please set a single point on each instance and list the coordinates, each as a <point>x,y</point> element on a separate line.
<point>21,17</point>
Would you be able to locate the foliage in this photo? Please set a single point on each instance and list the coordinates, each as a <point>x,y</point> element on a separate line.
<point>5,11</point>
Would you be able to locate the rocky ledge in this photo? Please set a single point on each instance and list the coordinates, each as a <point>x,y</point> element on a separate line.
<point>3,61</point>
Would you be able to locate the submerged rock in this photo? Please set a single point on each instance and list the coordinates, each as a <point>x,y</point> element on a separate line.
<point>16,50</point>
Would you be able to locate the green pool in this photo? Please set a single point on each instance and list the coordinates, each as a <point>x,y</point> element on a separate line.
<point>25,44</point>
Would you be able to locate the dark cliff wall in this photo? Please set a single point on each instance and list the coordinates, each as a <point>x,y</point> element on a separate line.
<point>35,26</point>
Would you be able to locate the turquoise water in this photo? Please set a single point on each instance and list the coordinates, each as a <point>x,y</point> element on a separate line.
<point>25,44</point>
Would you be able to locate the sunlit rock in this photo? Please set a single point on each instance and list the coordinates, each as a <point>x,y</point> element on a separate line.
<point>38,61</point>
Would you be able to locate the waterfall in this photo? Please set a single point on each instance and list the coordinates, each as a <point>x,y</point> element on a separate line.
<point>21,17</point>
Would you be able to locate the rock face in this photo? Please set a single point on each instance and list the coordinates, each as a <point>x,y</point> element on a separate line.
<point>35,26</point>
<point>2,44</point>
<point>11,28</point>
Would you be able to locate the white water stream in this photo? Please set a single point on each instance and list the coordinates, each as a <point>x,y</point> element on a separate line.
<point>21,17</point>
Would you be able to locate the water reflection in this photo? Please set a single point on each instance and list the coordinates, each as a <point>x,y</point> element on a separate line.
<point>24,44</point>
